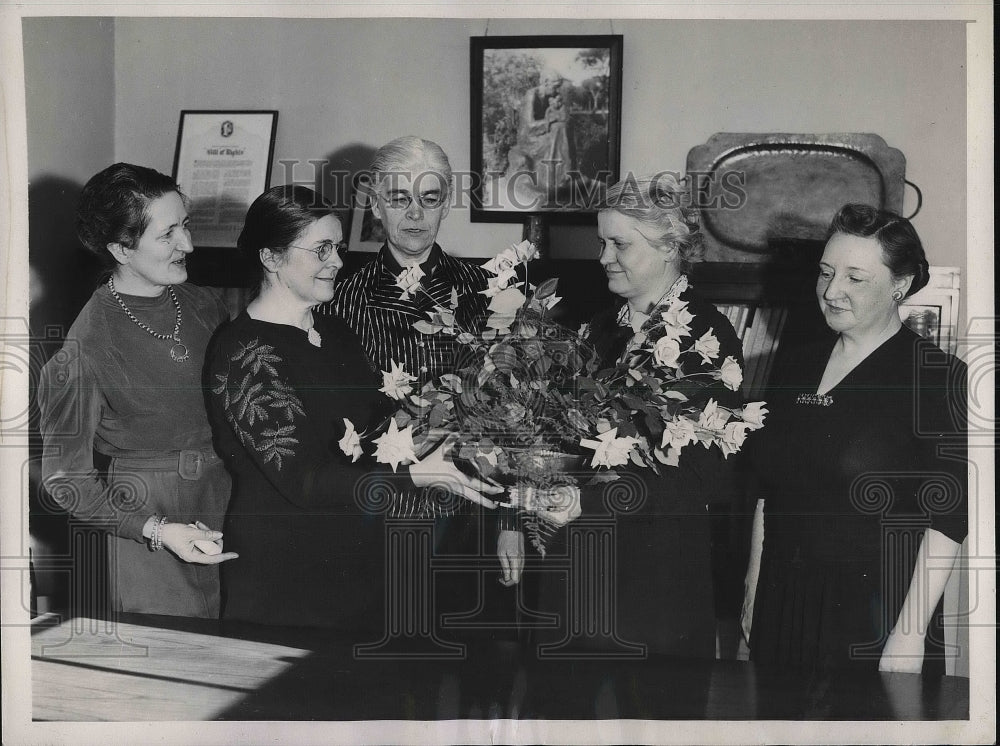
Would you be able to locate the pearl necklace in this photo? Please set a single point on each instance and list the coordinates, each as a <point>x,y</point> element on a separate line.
<point>178,351</point>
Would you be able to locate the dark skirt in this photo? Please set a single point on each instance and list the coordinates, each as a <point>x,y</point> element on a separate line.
<point>630,584</point>
<point>145,582</point>
<point>830,615</point>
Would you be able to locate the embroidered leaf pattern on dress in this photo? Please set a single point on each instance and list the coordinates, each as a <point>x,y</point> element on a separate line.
<point>278,442</point>
<point>253,401</point>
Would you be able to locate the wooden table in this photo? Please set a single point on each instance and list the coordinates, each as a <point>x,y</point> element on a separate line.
<point>167,668</point>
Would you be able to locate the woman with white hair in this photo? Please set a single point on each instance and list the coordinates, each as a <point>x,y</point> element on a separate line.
<point>409,189</point>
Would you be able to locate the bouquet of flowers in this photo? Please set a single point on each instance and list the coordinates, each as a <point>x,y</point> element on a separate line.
<point>652,405</point>
<point>504,401</point>
<point>526,404</point>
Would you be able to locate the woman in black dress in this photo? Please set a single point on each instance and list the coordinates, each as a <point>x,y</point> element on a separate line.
<point>289,390</point>
<point>661,576</point>
<point>862,462</point>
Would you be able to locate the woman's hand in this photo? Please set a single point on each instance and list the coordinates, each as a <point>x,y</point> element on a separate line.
<point>510,552</point>
<point>559,505</point>
<point>194,543</point>
<point>903,652</point>
<point>434,470</point>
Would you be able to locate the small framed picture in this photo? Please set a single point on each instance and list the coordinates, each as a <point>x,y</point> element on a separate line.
<point>933,311</point>
<point>546,124</point>
<point>222,163</point>
<point>367,233</point>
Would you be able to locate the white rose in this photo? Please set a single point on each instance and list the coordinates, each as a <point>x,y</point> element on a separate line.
<point>753,414</point>
<point>731,374</point>
<point>395,446</point>
<point>713,417</point>
<point>396,383</point>
<point>610,450</point>
<point>525,251</point>
<point>666,352</point>
<point>677,318</point>
<point>350,444</point>
<point>502,262</point>
<point>707,346</point>
<point>495,284</point>
<point>678,433</point>
<point>733,436</point>
<point>409,281</point>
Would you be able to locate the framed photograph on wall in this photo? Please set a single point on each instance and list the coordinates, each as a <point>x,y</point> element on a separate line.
<point>932,312</point>
<point>367,233</point>
<point>222,163</point>
<point>546,124</point>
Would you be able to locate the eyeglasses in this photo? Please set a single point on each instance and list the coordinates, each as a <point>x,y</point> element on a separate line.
<point>402,200</point>
<point>324,250</point>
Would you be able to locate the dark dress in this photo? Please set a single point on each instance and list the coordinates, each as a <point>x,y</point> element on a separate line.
<point>114,392</point>
<point>661,576</point>
<point>304,519</point>
<point>849,489</point>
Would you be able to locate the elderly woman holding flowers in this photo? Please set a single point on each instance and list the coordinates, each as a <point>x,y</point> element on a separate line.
<point>666,406</point>
<point>291,395</point>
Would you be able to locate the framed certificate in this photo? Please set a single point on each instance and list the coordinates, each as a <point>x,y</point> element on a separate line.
<point>222,163</point>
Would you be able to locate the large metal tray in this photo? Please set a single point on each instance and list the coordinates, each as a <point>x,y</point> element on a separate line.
<point>762,191</point>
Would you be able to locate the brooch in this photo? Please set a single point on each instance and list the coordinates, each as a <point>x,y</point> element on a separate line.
<point>819,400</point>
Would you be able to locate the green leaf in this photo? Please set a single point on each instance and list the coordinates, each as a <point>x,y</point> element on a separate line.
<point>425,327</point>
<point>634,402</point>
<point>483,465</point>
<point>547,288</point>
<point>602,477</point>
<point>654,425</point>
<point>438,416</point>
<point>451,381</point>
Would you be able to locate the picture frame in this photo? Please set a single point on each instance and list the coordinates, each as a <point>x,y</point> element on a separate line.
<point>366,232</point>
<point>932,311</point>
<point>545,125</point>
<point>222,162</point>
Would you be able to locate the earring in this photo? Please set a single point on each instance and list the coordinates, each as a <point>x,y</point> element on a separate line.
<point>897,295</point>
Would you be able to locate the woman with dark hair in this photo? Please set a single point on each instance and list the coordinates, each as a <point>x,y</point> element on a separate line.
<point>862,462</point>
<point>290,391</point>
<point>127,386</point>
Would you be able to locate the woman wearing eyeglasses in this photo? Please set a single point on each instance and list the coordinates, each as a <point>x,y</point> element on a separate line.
<point>283,385</point>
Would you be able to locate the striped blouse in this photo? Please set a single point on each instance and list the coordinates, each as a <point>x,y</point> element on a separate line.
<point>373,306</point>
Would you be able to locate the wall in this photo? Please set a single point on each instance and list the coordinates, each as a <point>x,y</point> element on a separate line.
<point>345,86</point>
<point>69,71</point>
<point>69,75</point>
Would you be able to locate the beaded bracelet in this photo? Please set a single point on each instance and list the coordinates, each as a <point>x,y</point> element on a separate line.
<point>156,536</point>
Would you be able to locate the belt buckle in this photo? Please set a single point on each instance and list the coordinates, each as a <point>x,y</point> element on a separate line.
<point>189,464</point>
